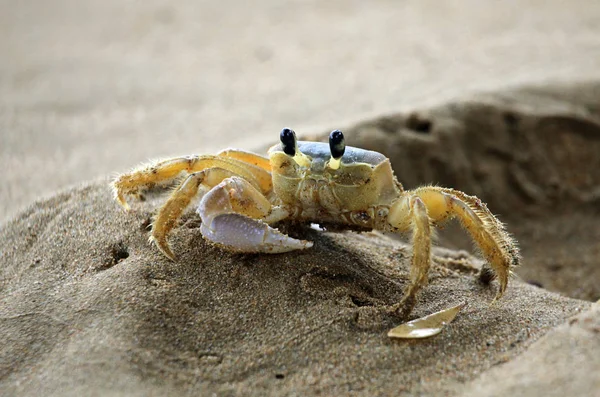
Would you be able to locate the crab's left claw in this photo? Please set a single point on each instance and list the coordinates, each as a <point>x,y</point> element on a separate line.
<point>240,233</point>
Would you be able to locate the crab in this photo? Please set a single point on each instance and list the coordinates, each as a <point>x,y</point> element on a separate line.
<point>242,195</point>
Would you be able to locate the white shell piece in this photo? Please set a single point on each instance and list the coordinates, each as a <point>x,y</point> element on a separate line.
<point>426,326</point>
<point>243,234</point>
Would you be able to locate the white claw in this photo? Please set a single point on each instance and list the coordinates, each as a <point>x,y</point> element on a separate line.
<point>243,234</point>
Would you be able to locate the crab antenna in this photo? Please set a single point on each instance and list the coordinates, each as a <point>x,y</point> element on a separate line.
<point>337,146</point>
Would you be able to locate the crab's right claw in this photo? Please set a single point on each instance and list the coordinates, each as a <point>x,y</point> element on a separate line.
<point>240,233</point>
<point>232,214</point>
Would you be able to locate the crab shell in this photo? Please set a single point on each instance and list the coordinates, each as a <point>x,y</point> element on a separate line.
<point>311,182</point>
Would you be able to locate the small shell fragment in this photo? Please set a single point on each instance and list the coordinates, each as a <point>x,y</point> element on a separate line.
<point>426,326</point>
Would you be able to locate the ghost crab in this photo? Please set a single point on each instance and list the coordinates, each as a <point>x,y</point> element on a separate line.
<point>243,194</point>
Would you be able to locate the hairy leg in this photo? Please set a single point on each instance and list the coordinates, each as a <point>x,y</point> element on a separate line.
<point>414,217</point>
<point>496,245</point>
<point>198,183</point>
<point>167,171</point>
<point>247,157</point>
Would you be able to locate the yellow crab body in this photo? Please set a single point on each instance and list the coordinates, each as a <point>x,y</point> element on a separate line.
<point>363,180</point>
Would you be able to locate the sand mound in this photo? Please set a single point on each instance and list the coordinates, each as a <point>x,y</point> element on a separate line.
<point>533,154</point>
<point>89,307</point>
<point>563,363</point>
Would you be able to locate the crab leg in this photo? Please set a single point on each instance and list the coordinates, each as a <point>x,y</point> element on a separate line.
<point>167,171</point>
<point>496,245</point>
<point>194,185</point>
<point>247,157</point>
<point>418,221</point>
<point>233,215</point>
<point>509,251</point>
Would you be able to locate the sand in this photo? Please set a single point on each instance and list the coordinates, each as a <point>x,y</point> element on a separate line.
<point>498,100</point>
<point>89,307</point>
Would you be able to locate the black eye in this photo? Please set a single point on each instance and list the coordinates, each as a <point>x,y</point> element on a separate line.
<point>337,144</point>
<point>288,141</point>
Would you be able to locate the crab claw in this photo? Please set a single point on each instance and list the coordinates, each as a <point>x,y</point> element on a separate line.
<point>232,214</point>
<point>243,234</point>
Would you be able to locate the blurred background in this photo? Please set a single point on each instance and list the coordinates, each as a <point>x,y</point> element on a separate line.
<point>89,88</point>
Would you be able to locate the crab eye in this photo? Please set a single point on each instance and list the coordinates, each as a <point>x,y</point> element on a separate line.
<point>288,141</point>
<point>337,146</point>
